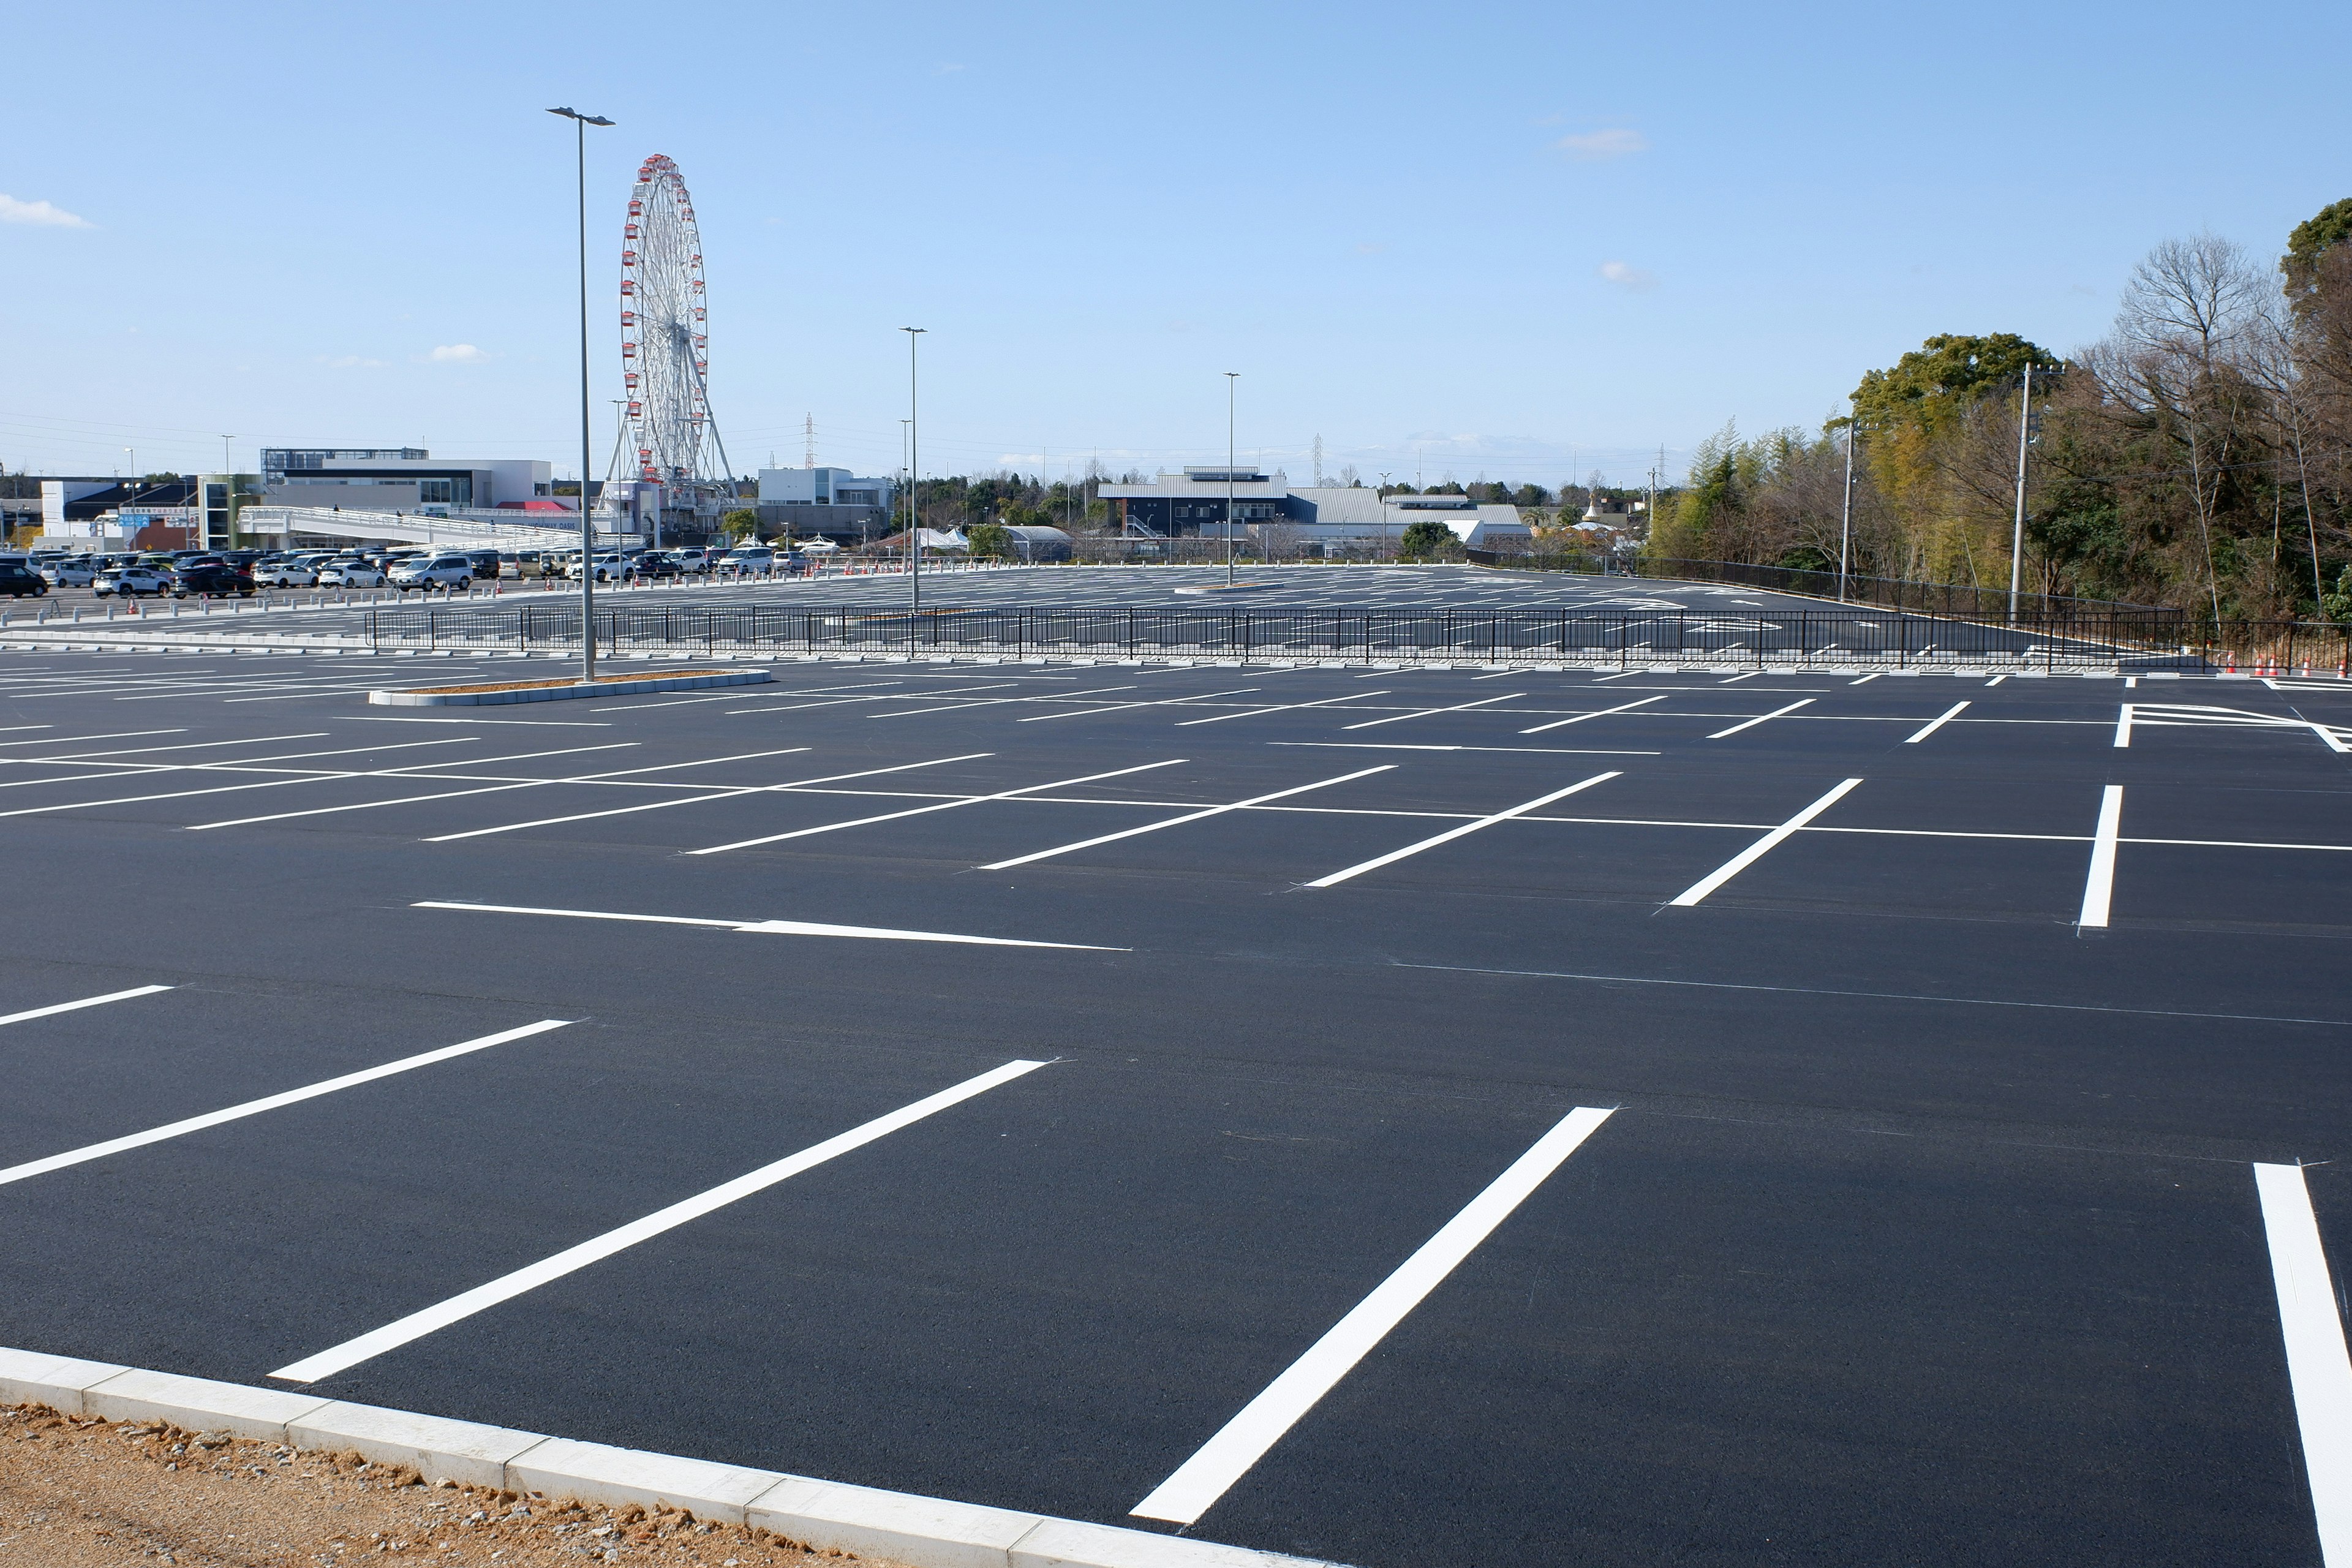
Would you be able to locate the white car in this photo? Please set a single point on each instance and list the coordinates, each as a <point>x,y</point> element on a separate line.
<point>69,573</point>
<point>285,575</point>
<point>610,567</point>
<point>454,572</point>
<point>132,581</point>
<point>351,575</point>
<point>743,562</point>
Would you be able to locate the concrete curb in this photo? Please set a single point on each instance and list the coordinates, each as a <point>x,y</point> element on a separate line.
<point>559,693</point>
<point>829,1516</point>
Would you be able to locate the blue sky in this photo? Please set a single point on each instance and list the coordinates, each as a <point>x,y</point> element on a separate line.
<point>1515,240</point>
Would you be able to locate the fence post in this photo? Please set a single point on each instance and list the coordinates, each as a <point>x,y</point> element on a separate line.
<point>432,630</point>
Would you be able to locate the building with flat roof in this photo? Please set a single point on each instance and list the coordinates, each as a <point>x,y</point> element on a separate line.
<point>1194,503</point>
<point>396,479</point>
<point>832,502</point>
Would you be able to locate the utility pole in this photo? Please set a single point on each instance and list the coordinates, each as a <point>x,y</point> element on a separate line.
<point>2017,537</point>
<point>1845,512</point>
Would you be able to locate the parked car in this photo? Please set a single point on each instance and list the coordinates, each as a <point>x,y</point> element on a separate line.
<point>132,581</point>
<point>694,560</point>
<point>73,572</point>
<point>485,563</point>
<point>658,566</point>
<point>611,567</point>
<point>453,573</point>
<point>745,562</point>
<point>16,582</point>
<point>210,580</point>
<point>286,575</point>
<point>351,572</point>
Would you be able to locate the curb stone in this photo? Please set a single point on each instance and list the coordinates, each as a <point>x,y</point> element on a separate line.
<point>395,698</point>
<point>829,1516</point>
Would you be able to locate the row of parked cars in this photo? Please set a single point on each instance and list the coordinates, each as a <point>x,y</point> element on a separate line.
<point>403,568</point>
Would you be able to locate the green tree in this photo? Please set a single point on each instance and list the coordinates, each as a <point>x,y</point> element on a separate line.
<point>739,524</point>
<point>2331,225</point>
<point>1947,372</point>
<point>1426,540</point>
<point>990,541</point>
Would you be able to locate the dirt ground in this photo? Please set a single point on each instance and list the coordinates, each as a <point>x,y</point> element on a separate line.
<point>82,1492</point>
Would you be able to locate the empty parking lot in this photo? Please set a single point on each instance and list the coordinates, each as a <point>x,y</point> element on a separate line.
<point>1402,1116</point>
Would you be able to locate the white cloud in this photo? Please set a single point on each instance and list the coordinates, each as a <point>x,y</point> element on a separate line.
<point>41,214</point>
<point>1593,146</point>
<point>349,362</point>
<point>457,353</point>
<point>1625,275</point>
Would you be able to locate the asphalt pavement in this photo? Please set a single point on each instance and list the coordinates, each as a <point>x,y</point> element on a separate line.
<point>1483,1116</point>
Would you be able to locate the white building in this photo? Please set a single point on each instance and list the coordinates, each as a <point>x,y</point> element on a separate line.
<point>400,479</point>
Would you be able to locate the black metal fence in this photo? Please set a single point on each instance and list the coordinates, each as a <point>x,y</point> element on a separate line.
<point>1955,599</point>
<point>1800,637</point>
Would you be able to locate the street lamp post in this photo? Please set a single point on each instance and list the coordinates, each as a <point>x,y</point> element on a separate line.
<point>1384,506</point>
<point>2017,539</point>
<point>580,123</point>
<point>1231,377</point>
<point>1845,512</point>
<point>914,486</point>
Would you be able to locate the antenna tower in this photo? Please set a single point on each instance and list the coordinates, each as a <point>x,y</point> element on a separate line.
<point>808,428</point>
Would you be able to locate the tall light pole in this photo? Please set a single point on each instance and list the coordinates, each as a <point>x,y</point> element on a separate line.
<point>580,123</point>
<point>914,484</point>
<point>1384,506</point>
<point>1845,512</point>
<point>2017,539</point>
<point>1232,376</point>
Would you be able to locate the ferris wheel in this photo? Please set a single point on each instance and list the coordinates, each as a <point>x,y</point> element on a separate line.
<point>664,340</point>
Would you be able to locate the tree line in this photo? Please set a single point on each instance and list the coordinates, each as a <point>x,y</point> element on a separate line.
<point>2198,456</point>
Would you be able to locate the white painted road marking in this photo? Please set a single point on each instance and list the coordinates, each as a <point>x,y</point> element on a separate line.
<point>1286,707</point>
<point>698,799</point>
<point>1932,725</point>
<point>1603,714</point>
<point>350,1352</point>
<point>1177,821</point>
<point>1336,878</point>
<point>1425,712</point>
<point>1760,718</point>
<point>2317,1367</point>
<point>1224,1458</point>
<point>771,928</point>
<point>2123,726</point>
<point>85,1002</point>
<point>920,810</point>
<point>2098,888</point>
<point>270,1102</point>
<point>1761,847</point>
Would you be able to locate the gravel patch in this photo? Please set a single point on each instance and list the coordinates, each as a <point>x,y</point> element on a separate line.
<point>85,1492</point>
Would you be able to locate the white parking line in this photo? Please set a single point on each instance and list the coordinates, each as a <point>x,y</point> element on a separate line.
<point>1937,722</point>
<point>2123,726</point>
<point>1603,714</point>
<point>2317,1368</point>
<point>111,735</point>
<point>1758,850</point>
<point>922,810</point>
<point>1760,718</point>
<point>86,1002</point>
<point>1393,856</point>
<point>418,771</point>
<point>696,799</point>
<point>1146,702</point>
<point>1224,1458</point>
<point>1425,712</point>
<point>350,1352</point>
<point>1288,707</point>
<point>270,1102</point>
<point>1179,821</point>
<point>2098,888</point>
